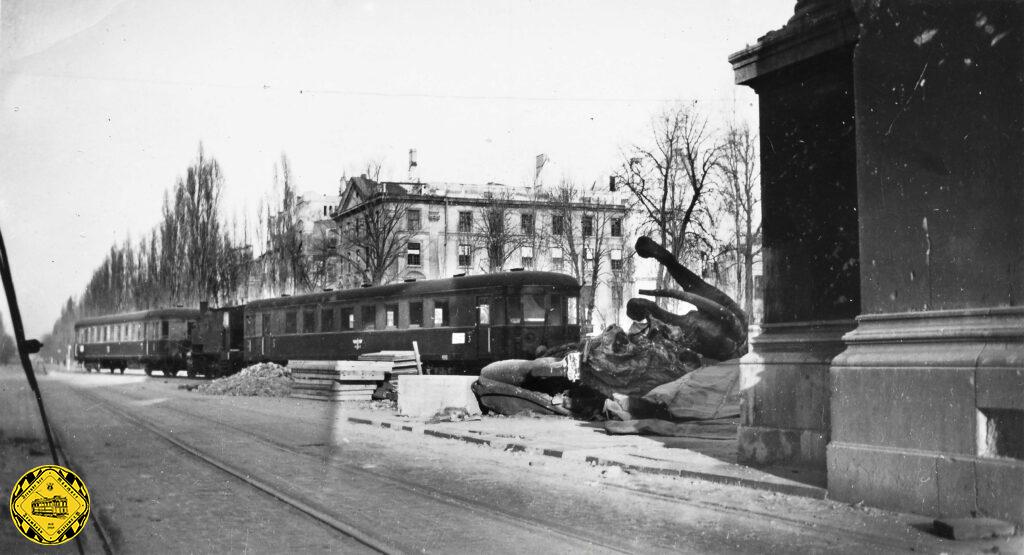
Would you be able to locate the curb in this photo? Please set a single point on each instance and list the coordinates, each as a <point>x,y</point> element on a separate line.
<point>788,489</point>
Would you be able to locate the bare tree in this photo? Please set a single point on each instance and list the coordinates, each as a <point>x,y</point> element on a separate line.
<point>375,236</point>
<point>322,256</point>
<point>582,234</point>
<point>740,183</point>
<point>284,257</point>
<point>670,177</point>
<point>621,278</point>
<point>495,232</point>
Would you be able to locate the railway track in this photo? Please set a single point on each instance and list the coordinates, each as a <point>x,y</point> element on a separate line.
<point>322,514</point>
<point>303,506</point>
<point>864,537</point>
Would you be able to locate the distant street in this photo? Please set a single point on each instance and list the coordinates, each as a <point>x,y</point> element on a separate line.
<point>170,469</point>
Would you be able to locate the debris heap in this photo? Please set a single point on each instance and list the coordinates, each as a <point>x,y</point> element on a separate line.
<point>265,379</point>
<point>668,368</point>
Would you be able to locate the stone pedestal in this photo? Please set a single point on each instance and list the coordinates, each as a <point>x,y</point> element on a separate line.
<point>785,407</point>
<point>927,413</point>
<point>803,74</point>
<point>928,398</point>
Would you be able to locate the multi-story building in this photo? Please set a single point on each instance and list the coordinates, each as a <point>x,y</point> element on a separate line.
<point>443,229</point>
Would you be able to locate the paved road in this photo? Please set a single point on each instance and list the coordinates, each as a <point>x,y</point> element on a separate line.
<point>171,470</point>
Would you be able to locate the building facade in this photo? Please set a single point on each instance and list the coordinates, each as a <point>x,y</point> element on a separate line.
<point>444,229</point>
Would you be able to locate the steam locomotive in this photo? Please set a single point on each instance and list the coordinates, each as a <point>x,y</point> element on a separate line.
<point>460,324</point>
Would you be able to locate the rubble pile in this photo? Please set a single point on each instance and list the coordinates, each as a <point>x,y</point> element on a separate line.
<point>265,379</point>
<point>666,370</point>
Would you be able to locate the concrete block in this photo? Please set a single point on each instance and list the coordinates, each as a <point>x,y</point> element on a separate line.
<point>425,396</point>
<point>1001,489</point>
<point>790,396</point>
<point>887,478</point>
<point>973,528</point>
<point>768,446</point>
<point>1001,388</point>
<point>957,487</point>
<point>931,409</point>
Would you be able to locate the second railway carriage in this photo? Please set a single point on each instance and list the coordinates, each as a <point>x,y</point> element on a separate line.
<point>153,339</point>
<point>460,324</point>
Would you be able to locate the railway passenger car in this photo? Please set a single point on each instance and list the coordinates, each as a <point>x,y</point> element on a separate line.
<point>216,342</point>
<point>460,324</point>
<point>154,339</point>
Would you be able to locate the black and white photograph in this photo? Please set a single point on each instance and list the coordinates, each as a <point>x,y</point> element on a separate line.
<point>512,276</point>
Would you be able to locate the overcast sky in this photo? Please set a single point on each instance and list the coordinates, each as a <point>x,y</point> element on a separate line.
<point>104,102</point>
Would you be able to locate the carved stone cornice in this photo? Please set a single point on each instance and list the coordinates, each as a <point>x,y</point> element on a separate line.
<point>817,27</point>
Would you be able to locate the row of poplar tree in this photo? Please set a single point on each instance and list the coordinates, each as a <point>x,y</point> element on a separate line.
<point>194,254</point>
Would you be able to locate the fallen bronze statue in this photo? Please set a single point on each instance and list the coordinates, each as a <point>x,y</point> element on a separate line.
<point>665,370</point>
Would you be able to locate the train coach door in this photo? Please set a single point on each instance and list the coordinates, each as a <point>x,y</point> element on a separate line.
<point>483,327</point>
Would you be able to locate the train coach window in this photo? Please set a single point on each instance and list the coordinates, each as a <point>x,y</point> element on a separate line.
<point>165,329</point>
<point>265,323</point>
<point>289,321</point>
<point>416,314</point>
<point>390,315</point>
<point>369,317</point>
<point>348,319</point>
<point>515,310</point>
<point>533,308</point>
<point>308,320</point>
<point>557,310</point>
<point>441,313</point>
<point>327,319</point>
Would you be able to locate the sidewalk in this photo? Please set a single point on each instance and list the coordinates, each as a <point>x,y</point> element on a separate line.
<point>711,456</point>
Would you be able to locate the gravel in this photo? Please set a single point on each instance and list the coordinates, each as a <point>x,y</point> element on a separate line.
<point>265,379</point>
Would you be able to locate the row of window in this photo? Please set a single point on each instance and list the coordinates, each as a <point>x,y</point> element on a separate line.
<point>530,308</point>
<point>414,222</point>
<point>132,331</point>
<point>465,252</point>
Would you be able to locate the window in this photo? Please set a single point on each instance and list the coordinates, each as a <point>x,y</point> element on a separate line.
<point>465,222</point>
<point>412,220</point>
<point>527,222</point>
<point>348,319</point>
<point>533,308</point>
<point>165,329</point>
<point>557,225</point>
<point>588,254</point>
<point>327,319</point>
<point>616,257</point>
<point>390,315</point>
<point>557,310</point>
<point>289,322</point>
<point>265,328</point>
<point>441,313</point>
<point>556,257</point>
<point>496,221</point>
<point>412,254</point>
<point>415,314</point>
<point>616,227</point>
<point>587,223</point>
<point>465,256</point>
<point>527,256</point>
<point>369,317</point>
